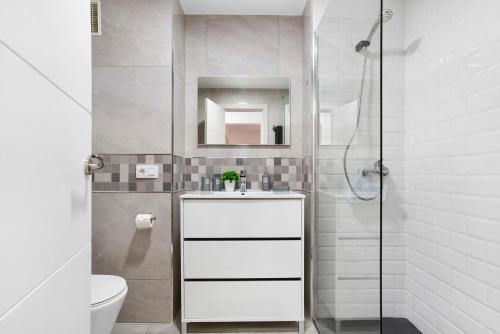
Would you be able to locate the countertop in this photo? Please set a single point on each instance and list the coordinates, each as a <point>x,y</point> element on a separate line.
<point>238,195</point>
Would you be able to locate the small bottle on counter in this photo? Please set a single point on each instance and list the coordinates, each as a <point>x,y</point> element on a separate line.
<point>243,181</point>
<point>205,183</point>
<point>217,184</point>
<point>266,182</point>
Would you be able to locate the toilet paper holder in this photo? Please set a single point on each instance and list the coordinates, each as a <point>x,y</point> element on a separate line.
<point>145,220</point>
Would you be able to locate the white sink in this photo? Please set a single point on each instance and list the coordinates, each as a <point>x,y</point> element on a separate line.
<point>238,194</point>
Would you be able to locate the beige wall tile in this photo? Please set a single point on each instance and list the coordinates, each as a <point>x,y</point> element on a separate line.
<point>196,47</point>
<point>132,109</point>
<point>176,258</point>
<point>178,39</point>
<point>242,45</point>
<point>172,328</point>
<point>147,301</point>
<point>179,115</point>
<point>290,46</point>
<point>118,248</point>
<point>131,328</point>
<point>134,33</point>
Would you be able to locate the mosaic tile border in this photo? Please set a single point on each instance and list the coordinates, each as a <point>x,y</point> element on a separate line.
<point>307,169</point>
<point>283,171</point>
<point>179,171</point>
<point>118,174</point>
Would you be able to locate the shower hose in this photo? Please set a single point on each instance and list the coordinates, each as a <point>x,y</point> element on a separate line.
<point>348,146</point>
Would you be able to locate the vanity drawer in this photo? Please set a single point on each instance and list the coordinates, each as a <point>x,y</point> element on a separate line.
<point>245,218</point>
<point>243,259</point>
<point>243,301</point>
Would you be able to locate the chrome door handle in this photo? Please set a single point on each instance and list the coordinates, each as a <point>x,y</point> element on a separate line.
<point>93,163</point>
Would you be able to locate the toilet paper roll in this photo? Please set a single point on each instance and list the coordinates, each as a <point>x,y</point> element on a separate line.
<point>144,221</point>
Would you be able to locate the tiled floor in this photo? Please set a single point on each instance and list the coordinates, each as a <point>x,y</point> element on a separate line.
<point>226,328</point>
<point>390,326</point>
<point>145,329</point>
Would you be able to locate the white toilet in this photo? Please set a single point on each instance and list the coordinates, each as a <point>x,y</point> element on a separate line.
<point>107,294</point>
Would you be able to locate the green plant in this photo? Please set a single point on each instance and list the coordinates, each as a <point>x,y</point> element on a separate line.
<point>230,175</point>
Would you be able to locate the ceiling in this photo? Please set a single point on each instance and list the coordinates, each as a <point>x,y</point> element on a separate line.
<point>243,7</point>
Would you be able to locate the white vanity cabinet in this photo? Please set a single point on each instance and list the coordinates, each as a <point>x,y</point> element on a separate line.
<point>242,257</point>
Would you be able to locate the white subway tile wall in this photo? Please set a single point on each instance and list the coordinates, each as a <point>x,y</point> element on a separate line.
<point>441,142</point>
<point>452,145</point>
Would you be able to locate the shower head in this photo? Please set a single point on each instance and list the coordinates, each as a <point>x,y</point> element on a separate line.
<point>384,17</point>
<point>387,15</point>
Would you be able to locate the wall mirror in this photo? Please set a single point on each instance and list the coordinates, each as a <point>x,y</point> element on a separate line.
<point>243,111</point>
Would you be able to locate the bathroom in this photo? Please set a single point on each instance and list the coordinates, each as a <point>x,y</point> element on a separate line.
<point>364,136</point>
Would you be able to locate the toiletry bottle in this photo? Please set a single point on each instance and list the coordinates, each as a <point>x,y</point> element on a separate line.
<point>243,181</point>
<point>266,182</point>
<point>205,183</point>
<point>217,184</point>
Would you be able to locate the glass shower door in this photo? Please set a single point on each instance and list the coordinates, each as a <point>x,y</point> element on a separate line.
<point>348,198</point>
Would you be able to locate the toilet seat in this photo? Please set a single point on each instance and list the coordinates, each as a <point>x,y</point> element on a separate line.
<point>105,288</point>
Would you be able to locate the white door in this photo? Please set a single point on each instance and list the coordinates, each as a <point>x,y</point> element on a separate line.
<point>216,123</point>
<point>45,134</point>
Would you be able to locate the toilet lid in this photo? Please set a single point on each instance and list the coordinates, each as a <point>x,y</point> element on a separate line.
<point>105,287</point>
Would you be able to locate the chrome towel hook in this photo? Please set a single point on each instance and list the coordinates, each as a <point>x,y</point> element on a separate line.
<point>93,163</point>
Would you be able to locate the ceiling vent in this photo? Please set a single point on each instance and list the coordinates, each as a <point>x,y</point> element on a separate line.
<point>95,17</point>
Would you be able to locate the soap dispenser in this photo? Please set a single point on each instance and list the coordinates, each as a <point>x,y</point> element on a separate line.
<point>266,181</point>
<point>243,181</point>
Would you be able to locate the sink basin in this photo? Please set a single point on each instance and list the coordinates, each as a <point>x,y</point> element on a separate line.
<point>237,194</point>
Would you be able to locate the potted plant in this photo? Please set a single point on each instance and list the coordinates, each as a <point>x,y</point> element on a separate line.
<point>230,178</point>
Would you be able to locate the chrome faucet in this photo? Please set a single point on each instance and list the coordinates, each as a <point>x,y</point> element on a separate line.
<point>378,168</point>
<point>243,181</point>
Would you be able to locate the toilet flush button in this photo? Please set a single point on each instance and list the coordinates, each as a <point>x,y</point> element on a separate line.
<point>146,171</point>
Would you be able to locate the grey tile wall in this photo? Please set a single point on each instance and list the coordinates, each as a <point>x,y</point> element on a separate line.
<point>178,147</point>
<point>176,248</point>
<point>134,33</point>
<point>290,46</point>
<point>140,256</point>
<point>132,109</point>
<point>250,46</point>
<point>147,301</point>
<point>138,57</point>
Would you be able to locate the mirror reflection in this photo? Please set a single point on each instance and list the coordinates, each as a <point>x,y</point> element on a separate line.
<point>243,111</point>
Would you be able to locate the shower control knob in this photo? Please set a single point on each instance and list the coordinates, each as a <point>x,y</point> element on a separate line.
<point>378,168</point>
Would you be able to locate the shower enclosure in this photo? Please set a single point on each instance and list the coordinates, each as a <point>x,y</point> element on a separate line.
<point>406,160</point>
<point>357,206</point>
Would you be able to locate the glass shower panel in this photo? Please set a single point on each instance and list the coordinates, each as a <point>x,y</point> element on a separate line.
<point>393,218</point>
<point>348,168</point>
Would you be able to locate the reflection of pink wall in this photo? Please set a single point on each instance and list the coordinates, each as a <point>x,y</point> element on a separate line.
<point>243,134</point>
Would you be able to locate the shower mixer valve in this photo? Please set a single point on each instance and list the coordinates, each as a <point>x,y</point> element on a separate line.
<point>378,168</point>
